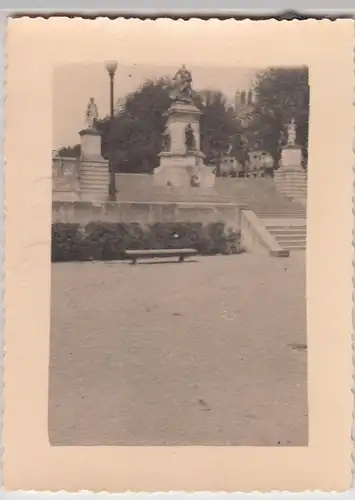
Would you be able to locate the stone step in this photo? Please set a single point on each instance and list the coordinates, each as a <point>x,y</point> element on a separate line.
<point>290,240</point>
<point>286,227</point>
<point>92,178</point>
<point>93,188</point>
<point>291,189</point>
<point>291,184</point>
<point>288,232</point>
<point>294,246</point>
<point>292,193</point>
<point>101,171</point>
<point>280,185</point>
<point>279,214</point>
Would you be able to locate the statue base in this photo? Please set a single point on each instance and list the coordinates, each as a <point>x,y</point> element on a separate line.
<point>181,171</point>
<point>91,145</point>
<point>291,156</point>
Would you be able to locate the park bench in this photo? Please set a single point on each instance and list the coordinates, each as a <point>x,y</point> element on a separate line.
<point>181,253</point>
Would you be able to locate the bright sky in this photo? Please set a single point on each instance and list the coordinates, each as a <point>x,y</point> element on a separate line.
<point>74,84</point>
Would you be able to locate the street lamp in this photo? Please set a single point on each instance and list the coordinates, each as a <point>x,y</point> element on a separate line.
<point>111,67</point>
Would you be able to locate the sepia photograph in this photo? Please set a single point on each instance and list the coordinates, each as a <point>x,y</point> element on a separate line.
<point>199,177</point>
<point>178,271</point>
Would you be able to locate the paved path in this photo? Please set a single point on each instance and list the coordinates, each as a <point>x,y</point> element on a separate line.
<point>207,352</point>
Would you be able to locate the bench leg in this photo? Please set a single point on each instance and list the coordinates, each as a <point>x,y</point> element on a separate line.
<point>134,262</point>
<point>181,258</point>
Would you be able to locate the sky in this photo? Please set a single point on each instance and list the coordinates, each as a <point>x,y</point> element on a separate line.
<point>74,84</point>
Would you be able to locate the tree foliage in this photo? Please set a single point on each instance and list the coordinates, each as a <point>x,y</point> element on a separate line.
<point>69,151</point>
<point>282,94</point>
<point>135,139</point>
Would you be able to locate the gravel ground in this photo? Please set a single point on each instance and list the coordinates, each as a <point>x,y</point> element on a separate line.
<point>210,352</point>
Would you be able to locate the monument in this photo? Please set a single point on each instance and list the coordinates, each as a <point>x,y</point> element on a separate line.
<point>93,168</point>
<point>290,178</point>
<point>90,136</point>
<point>181,159</point>
<point>291,154</point>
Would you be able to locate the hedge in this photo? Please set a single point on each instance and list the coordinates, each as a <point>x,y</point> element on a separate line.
<point>108,241</point>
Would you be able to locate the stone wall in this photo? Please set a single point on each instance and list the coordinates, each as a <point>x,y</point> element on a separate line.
<point>133,182</point>
<point>83,212</point>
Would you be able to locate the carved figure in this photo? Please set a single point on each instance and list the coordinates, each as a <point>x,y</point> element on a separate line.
<point>183,79</point>
<point>291,133</point>
<point>190,140</point>
<point>91,114</point>
<point>166,142</point>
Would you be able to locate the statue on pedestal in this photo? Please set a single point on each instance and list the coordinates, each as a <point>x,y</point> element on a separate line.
<point>91,114</point>
<point>190,140</point>
<point>291,133</point>
<point>183,90</point>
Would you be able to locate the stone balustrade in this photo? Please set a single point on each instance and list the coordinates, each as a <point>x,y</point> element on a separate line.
<point>65,173</point>
<point>65,178</point>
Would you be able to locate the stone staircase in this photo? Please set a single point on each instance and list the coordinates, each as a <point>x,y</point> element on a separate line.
<point>290,234</point>
<point>291,182</point>
<point>283,216</point>
<point>261,196</point>
<point>94,179</point>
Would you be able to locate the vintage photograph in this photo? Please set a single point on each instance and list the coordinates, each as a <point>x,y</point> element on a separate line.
<point>179,222</point>
<point>178,255</point>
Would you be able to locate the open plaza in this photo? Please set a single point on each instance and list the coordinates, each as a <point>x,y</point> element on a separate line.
<point>210,352</point>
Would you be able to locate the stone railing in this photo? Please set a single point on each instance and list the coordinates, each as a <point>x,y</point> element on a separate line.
<point>65,174</point>
<point>256,238</point>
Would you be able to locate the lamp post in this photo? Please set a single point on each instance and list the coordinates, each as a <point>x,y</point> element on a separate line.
<point>111,67</point>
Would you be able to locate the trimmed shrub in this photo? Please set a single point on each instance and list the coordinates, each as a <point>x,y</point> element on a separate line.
<point>109,240</point>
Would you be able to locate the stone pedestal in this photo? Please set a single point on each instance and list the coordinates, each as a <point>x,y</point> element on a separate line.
<point>91,145</point>
<point>180,167</point>
<point>291,178</point>
<point>291,157</point>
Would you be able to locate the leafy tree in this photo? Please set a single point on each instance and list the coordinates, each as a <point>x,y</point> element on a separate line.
<point>282,94</point>
<point>69,151</point>
<point>136,134</point>
<point>135,139</point>
<point>217,124</point>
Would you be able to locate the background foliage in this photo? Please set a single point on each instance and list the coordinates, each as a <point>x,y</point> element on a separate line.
<point>135,138</point>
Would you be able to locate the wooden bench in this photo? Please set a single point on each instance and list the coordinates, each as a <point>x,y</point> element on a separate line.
<point>181,253</point>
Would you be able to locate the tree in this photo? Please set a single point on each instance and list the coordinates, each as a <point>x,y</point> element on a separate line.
<point>69,151</point>
<point>136,135</point>
<point>135,139</point>
<point>218,125</point>
<point>282,94</point>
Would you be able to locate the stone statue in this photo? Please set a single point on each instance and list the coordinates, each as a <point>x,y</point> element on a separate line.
<point>190,140</point>
<point>183,90</point>
<point>230,148</point>
<point>291,133</point>
<point>91,114</point>
<point>166,143</point>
